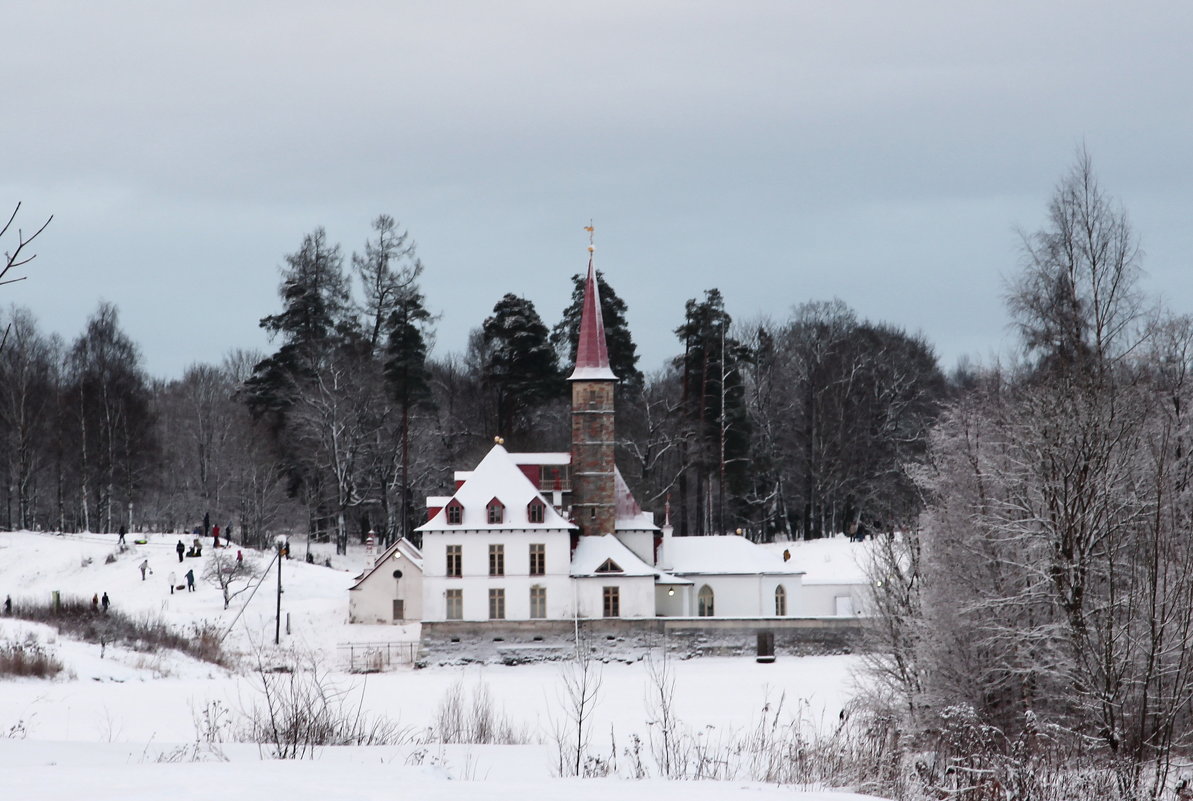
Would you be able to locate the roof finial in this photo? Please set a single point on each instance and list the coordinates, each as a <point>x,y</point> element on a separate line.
<point>592,353</point>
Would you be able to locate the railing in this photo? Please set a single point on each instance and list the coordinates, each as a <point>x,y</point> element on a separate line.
<point>375,657</point>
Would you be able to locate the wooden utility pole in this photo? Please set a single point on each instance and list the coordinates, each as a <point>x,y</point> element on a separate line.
<point>277,633</point>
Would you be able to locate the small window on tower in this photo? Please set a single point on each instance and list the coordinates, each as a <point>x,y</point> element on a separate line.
<point>592,399</point>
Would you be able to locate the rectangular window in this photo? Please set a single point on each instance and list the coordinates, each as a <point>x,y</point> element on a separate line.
<point>496,560</point>
<point>538,559</point>
<point>534,512</point>
<point>496,604</point>
<point>455,560</point>
<point>454,514</point>
<point>612,602</point>
<point>538,602</point>
<point>455,605</point>
<point>495,514</point>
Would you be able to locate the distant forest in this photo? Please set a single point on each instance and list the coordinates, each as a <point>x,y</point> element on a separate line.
<point>792,428</point>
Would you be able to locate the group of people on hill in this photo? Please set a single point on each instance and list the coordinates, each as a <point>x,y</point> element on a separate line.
<point>96,603</point>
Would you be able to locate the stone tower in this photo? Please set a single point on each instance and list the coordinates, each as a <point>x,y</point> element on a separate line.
<point>594,503</point>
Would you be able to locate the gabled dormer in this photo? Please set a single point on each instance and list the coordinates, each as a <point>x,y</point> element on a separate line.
<point>536,511</point>
<point>455,512</point>
<point>495,512</point>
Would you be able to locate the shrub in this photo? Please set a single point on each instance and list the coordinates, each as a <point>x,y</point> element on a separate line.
<point>299,709</point>
<point>78,618</point>
<point>28,658</point>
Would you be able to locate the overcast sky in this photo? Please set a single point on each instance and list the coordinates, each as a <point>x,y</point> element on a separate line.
<point>881,152</point>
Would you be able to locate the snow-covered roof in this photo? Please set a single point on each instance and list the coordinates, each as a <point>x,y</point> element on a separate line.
<point>630,516</point>
<point>829,560</point>
<point>497,476</point>
<point>401,547</point>
<point>542,458</point>
<point>593,551</point>
<point>731,554</point>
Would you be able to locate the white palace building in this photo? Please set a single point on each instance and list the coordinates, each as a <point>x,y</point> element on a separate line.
<point>559,536</point>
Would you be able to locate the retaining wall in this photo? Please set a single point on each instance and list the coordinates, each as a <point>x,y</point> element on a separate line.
<point>516,642</point>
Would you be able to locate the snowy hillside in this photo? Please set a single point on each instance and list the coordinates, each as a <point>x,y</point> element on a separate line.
<point>99,729</point>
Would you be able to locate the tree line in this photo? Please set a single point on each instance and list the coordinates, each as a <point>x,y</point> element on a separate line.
<point>1034,631</point>
<point>792,428</point>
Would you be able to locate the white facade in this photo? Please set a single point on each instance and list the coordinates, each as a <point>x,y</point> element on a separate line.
<point>381,597</point>
<point>475,580</point>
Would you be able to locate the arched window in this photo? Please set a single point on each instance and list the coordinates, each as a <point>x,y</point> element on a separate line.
<point>780,601</point>
<point>704,601</point>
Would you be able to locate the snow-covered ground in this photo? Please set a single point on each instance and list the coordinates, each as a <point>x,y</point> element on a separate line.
<point>101,729</point>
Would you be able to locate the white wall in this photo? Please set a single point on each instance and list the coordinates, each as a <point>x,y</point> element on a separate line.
<point>820,600</point>
<point>636,595</point>
<point>476,581</point>
<point>744,595</point>
<point>372,601</point>
<point>676,605</point>
<point>640,542</point>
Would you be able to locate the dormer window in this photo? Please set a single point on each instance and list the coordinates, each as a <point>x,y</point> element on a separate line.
<point>609,566</point>
<point>455,512</point>
<point>495,512</point>
<point>536,511</point>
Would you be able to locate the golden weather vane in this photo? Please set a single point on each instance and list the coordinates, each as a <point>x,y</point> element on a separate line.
<point>591,229</point>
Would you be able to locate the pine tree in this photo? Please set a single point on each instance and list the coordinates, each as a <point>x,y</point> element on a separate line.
<point>409,381</point>
<point>316,311</point>
<point>714,403</point>
<point>520,366</point>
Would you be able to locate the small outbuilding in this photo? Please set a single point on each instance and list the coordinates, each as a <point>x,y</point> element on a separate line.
<point>390,591</point>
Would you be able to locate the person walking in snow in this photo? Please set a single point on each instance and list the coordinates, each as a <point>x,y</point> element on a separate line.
<point>95,602</point>
<point>239,557</point>
<point>215,536</point>
<point>105,602</point>
<point>144,567</point>
<point>172,579</point>
<point>190,581</point>
<point>7,605</point>
<point>123,531</point>
<point>181,550</point>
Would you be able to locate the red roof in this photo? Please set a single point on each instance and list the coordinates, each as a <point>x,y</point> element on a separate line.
<point>592,355</point>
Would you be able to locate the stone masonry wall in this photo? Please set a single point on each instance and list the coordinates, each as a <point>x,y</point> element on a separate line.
<point>517,642</point>
<point>593,441</point>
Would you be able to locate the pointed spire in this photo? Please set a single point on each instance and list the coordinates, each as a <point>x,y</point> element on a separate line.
<point>592,355</point>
